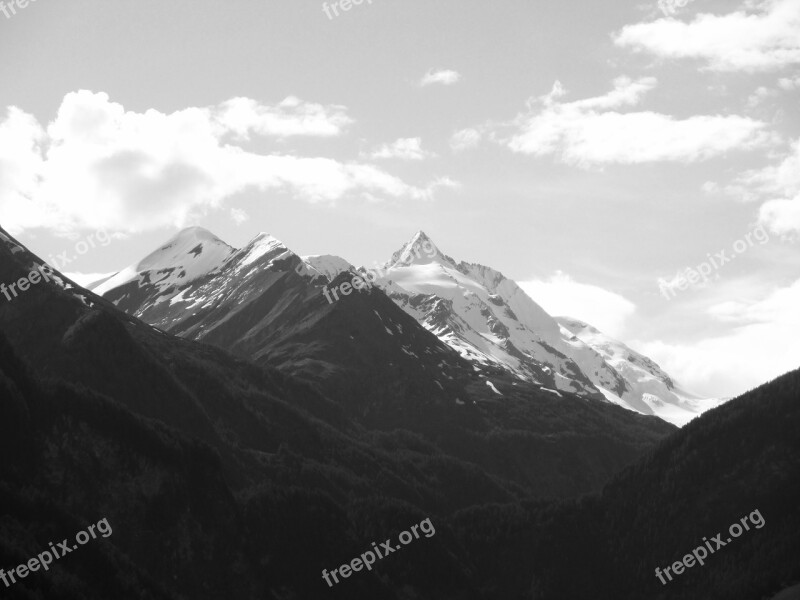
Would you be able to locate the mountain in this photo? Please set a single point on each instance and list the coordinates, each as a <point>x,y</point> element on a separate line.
<point>328,265</point>
<point>489,320</point>
<point>385,371</point>
<point>192,253</point>
<point>219,478</point>
<point>225,478</point>
<point>738,461</point>
<point>649,390</point>
<point>199,287</point>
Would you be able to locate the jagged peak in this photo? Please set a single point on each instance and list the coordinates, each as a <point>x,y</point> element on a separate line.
<point>264,240</point>
<point>260,237</point>
<point>419,250</point>
<point>261,245</point>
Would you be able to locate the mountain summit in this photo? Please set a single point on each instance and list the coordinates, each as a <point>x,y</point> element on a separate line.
<point>488,319</point>
<point>189,255</point>
<point>420,250</point>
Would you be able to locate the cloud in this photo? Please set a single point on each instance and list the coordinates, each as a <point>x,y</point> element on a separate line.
<point>592,132</point>
<point>781,216</point>
<point>292,117</point>
<point>760,95</point>
<point>763,343</point>
<point>98,166</point>
<point>239,216</point>
<point>21,162</point>
<point>465,139</point>
<point>403,149</point>
<point>789,83</point>
<point>709,270</point>
<point>777,186</point>
<point>763,37</point>
<point>441,76</point>
<point>560,295</point>
<point>782,178</point>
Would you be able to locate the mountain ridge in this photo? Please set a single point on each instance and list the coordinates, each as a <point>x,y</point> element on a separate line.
<point>474,309</point>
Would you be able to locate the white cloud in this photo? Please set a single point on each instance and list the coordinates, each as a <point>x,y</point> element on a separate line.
<point>239,216</point>
<point>465,139</point>
<point>441,76</point>
<point>781,216</point>
<point>764,36</point>
<point>20,164</point>
<point>778,186</point>
<point>98,166</point>
<point>403,149</point>
<point>760,95</point>
<point>789,83</point>
<point>783,178</point>
<point>560,295</point>
<point>763,343</point>
<point>592,132</point>
<point>292,117</point>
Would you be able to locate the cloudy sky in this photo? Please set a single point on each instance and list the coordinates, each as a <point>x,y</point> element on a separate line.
<point>592,151</point>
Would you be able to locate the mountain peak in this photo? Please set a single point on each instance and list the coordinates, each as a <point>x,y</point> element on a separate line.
<point>263,240</point>
<point>189,236</point>
<point>185,245</point>
<point>419,250</point>
<point>191,253</point>
<point>261,245</point>
<point>421,237</point>
<point>194,231</point>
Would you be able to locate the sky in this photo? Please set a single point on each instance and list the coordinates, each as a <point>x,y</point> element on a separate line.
<point>632,164</point>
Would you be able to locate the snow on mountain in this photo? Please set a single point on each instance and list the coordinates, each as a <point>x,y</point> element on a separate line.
<point>196,284</point>
<point>488,319</point>
<point>328,265</point>
<point>195,271</point>
<point>267,304</point>
<point>650,389</point>
<point>192,253</point>
<point>485,317</point>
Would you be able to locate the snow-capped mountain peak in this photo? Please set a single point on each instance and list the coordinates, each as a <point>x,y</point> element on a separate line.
<point>192,253</point>
<point>489,319</point>
<point>259,246</point>
<point>327,265</point>
<point>419,250</point>
<point>650,390</point>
